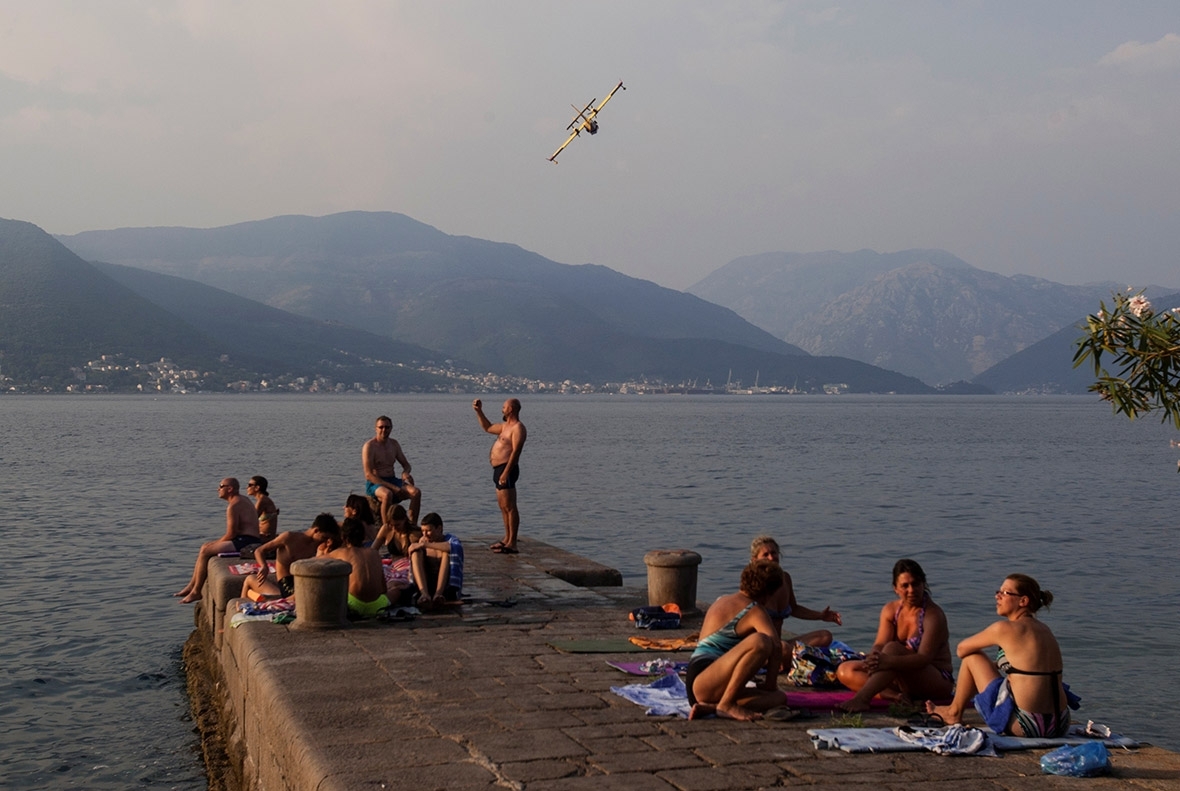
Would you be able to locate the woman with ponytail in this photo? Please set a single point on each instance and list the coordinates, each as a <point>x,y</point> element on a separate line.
<point>1020,694</point>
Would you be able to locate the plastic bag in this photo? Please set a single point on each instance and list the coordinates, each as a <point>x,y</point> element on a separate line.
<point>1077,760</point>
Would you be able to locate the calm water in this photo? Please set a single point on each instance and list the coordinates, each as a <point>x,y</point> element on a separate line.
<point>108,499</point>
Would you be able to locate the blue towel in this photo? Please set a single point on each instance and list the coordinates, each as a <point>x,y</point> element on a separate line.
<point>664,697</point>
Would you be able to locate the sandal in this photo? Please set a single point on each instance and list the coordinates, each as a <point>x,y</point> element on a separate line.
<point>496,547</point>
<point>504,549</point>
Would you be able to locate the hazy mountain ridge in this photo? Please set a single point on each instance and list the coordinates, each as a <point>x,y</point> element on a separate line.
<point>922,312</point>
<point>493,304</point>
<point>369,265</point>
<point>1047,366</point>
<point>58,312</point>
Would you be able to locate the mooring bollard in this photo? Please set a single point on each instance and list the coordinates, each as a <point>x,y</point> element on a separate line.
<point>672,578</point>
<point>321,593</point>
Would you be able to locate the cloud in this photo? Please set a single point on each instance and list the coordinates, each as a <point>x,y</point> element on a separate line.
<point>1139,58</point>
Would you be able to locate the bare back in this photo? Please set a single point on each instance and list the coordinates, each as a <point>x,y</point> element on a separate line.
<point>240,518</point>
<point>292,546</point>
<point>1030,645</point>
<point>367,580</point>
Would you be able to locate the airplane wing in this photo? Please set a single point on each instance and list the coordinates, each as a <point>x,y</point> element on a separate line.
<point>568,140</point>
<point>607,99</point>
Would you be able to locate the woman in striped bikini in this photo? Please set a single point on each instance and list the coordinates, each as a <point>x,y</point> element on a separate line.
<point>1027,698</point>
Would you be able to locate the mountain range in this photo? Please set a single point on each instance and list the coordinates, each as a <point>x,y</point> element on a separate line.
<point>494,306</point>
<point>925,313</point>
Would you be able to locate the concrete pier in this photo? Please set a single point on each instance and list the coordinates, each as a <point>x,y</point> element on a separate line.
<point>474,698</point>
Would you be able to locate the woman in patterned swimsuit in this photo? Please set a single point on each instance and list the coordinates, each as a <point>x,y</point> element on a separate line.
<point>1025,702</point>
<point>911,657</point>
<point>737,640</point>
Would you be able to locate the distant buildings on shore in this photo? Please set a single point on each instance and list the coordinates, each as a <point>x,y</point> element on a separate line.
<point>119,374</point>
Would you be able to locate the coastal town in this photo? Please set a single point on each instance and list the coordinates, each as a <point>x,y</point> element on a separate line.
<point>121,374</point>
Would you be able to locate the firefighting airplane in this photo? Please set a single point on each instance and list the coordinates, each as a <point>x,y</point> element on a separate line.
<point>585,121</point>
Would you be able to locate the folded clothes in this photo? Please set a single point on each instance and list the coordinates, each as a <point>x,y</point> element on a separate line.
<point>651,667</point>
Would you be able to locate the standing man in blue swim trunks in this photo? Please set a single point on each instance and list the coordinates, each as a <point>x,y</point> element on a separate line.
<point>505,458</point>
<point>380,455</point>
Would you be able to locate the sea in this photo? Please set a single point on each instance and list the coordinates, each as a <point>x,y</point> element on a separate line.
<point>107,499</point>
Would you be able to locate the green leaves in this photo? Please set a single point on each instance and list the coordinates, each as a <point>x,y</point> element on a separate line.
<point>1142,348</point>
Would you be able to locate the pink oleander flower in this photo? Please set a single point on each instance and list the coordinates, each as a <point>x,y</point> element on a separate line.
<point>1139,305</point>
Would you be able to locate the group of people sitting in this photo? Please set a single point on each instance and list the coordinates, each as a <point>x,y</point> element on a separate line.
<point>434,557</point>
<point>1020,694</point>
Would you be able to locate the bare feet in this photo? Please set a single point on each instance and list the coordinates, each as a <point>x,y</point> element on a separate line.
<point>701,710</point>
<point>736,712</point>
<point>192,597</point>
<point>438,600</point>
<point>948,714</point>
<point>184,591</point>
<point>853,705</point>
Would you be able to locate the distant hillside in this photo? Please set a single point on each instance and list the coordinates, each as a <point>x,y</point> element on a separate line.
<point>497,306</point>
<point>1047,366</point>
<point>58,312</point>
<point>276,341</point>
<point>922,312</point>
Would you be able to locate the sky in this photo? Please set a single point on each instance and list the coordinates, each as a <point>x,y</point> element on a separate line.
<point>1030,137</point>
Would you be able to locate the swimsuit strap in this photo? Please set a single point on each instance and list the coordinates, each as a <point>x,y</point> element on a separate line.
<point>1052,673</point>
<point>1019,672</point>
<point>915,640</point>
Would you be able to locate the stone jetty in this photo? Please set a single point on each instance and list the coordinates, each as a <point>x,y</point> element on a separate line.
<point>474,697</point>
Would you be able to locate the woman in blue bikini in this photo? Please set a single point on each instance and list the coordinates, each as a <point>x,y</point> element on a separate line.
<point>782,604</point>
<point>911,657</point>
<point>1028,698</point>
<point>737,640</point>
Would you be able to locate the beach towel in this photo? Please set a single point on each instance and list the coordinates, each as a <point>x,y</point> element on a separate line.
<point>397,571</point>
<point>667,643</point>
<point>905,739</point>
<point>826,699</point>
<point>610,645</point>
<point>664,697</point>
<point>246,569</point>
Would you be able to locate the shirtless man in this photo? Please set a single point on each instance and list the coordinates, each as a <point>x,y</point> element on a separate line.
<point>366,584</point>
<point>241,531</point>
<point>379,457</point>
<point>289,547</point>
<point>505,457</point>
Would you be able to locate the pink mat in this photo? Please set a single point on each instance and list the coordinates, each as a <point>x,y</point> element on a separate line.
<point>826,699</point>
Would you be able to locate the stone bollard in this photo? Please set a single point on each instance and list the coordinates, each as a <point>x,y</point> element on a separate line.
<point>321,593</point>
<point>672,577</point>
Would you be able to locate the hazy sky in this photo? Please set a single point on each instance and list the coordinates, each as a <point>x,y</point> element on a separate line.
<point>1025,137</point>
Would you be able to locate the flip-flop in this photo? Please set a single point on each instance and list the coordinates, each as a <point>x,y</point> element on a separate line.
<point>781,714</point>
<point>506,550</point>
<point>496,547</point>
<point>924,720</point>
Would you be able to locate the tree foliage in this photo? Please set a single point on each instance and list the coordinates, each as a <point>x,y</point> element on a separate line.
<point>1142,347</point>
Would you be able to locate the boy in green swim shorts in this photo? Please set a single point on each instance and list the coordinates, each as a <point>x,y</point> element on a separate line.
<point>366,584</point>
